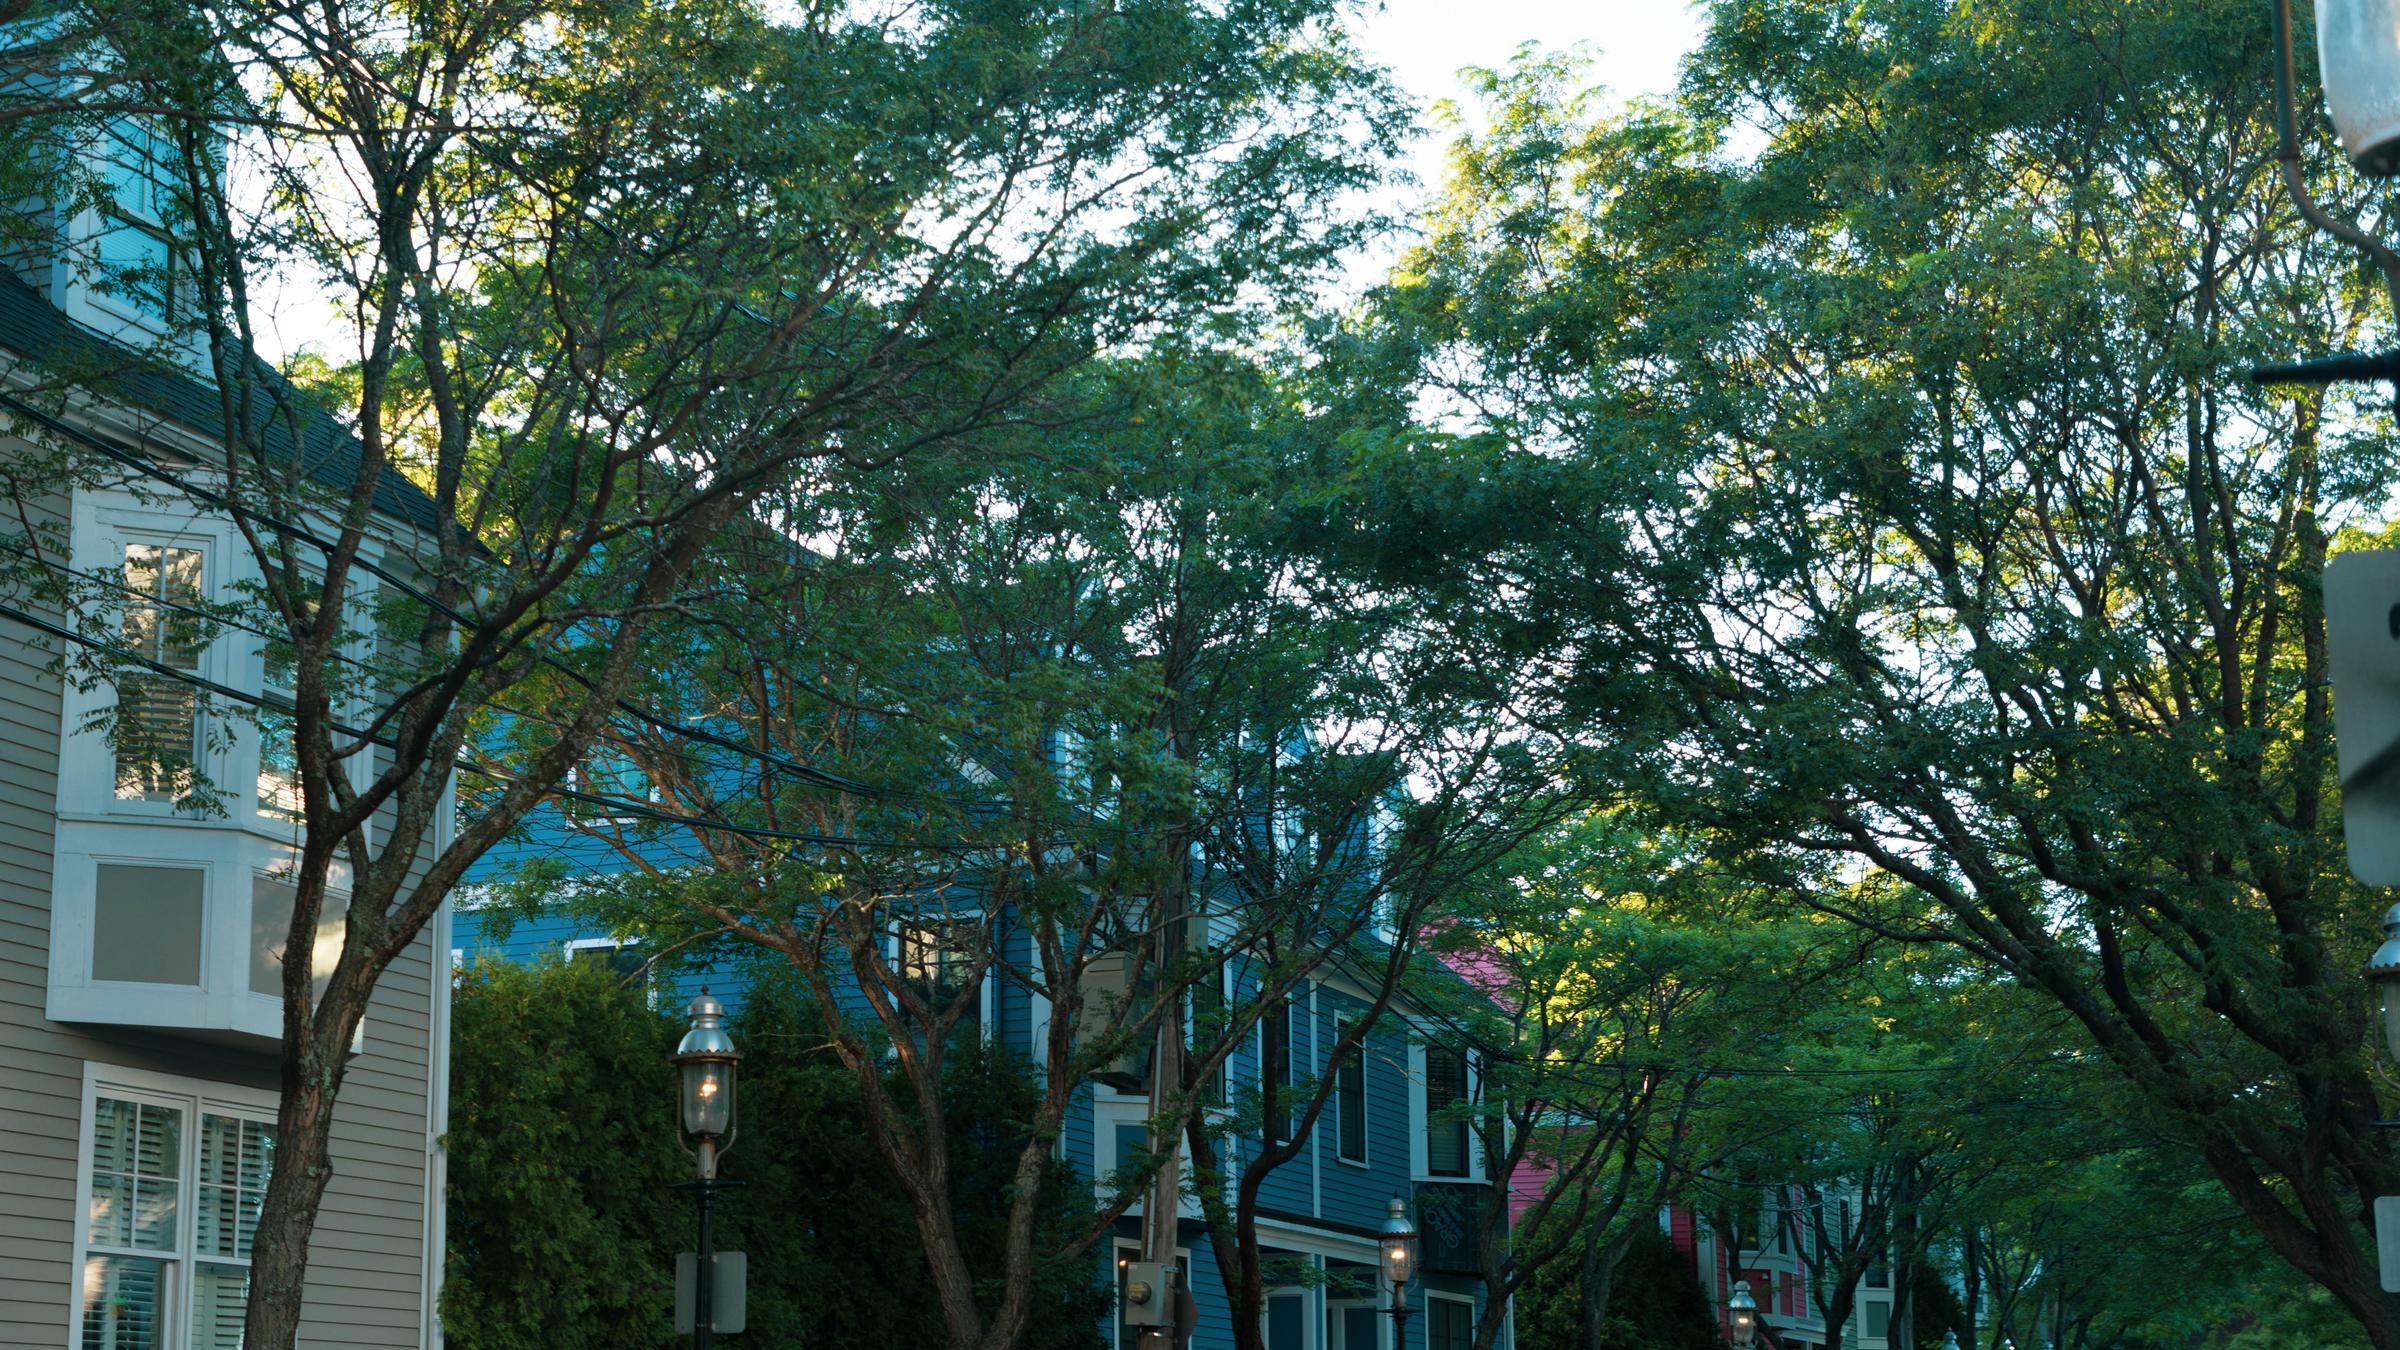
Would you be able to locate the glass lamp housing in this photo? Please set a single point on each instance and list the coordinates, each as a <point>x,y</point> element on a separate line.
<point>2383,968</point>
<point>2358,55</point>
<point>1398,1242</point>
<point>707,1098</point>
<point>707,1060</point>
<point>1741,1313</point>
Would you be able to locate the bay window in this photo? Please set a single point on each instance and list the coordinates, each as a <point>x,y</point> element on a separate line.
<point>158,718</point>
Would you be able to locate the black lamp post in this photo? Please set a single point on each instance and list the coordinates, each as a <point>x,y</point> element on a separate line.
<point>1741,1315</point>
<point>1399,1255</point>
<point>707,1060</point>
<point>2360,66</point>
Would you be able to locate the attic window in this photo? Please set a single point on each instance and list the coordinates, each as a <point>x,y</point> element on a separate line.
<point>136,252</point>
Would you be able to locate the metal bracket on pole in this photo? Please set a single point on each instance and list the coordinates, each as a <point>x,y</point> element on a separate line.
<point>2346,368</point>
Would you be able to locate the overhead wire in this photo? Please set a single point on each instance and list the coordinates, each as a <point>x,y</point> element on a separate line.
<point>618,806</point>
<point>149,467</point>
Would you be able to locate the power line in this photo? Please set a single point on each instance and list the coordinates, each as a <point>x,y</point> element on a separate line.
<point>150,468</point>
<point>616,806</point>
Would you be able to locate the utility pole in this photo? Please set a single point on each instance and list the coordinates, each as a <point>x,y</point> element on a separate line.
<point>1163,1206</point>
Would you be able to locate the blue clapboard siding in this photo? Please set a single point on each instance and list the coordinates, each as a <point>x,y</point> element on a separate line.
<point>1343,1201</point>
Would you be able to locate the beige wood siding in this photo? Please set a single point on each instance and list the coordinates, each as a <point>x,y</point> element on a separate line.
<point>366,1272</point>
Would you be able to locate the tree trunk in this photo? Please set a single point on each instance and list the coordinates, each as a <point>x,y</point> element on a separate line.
<point>2326,1254</point>
<point>315,1060</point>
<point>1974,1279</point>
<point>1903,1256</point>
<point>1597,1282</point>
<point>287,1218</point>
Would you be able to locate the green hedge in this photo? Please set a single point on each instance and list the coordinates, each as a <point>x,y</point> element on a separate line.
<point>562,1149</point>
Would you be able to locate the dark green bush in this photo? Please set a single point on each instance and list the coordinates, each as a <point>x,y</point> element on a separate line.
<point>1655,1302</point>
<point>563,1226</point>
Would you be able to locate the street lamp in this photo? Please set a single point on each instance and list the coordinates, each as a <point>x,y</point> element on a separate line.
<point>1741,1312</point>
<point>1950,1340</point>
<point>2362,76</point>
<point>2384,969</point>
<point>707,1061</point>
<point>1398,1243</point>
<point>2361,67</point>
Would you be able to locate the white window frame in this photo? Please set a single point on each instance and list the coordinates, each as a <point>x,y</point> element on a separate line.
<point>101,217</point>
<point>194,1097</point>
<point>1433,1296</point>
<point>94,826</point>
<point>249,754</point>
<point>102,524</point>
<point>1215,1099</point>
<point>102,530</point>
<point>651,990</point>
<point>578,775</point>
<point>987,1002</point>
<point>223,1000</point>
<point>1301,998</point>
<point>1418,1161</point>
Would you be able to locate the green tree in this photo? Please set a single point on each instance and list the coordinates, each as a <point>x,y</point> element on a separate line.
<point>1870,427</point>
<point>1661,1305</point>
<point>613,275</point>
<point>1081,717</point>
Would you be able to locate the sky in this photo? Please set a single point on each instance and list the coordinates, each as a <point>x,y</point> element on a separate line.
<point>1635,46</point>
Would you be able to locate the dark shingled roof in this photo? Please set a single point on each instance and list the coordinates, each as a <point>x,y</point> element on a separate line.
<point>34,328</point>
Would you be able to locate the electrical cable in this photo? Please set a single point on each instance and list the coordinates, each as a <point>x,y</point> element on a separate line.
<point>616,806</point>
<point>150,468</point>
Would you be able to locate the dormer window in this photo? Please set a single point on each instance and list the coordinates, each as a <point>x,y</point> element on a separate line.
<point>134,246</point>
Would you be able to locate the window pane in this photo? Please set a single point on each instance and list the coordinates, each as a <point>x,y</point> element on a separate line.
<point>271,902</point>
<point>146,924</point>
<point>123,1297</point>
<point>236,1157</point>
<point>157,727</point>
<point>137,1150</point>
<point>217,1298</point>
<point>939,957</point>
<point>622,960</point>
<point>1208,1027</point>
<point>278,765</point>
<point>136,266</point>
<point>1350,1103</point>
<point>611,773</point>
<point>1450,1325</point>
<point>1445,1087</point>
<point>134,167</point>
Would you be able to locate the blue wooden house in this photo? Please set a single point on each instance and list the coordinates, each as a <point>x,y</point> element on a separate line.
<point>1386,1131</point>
